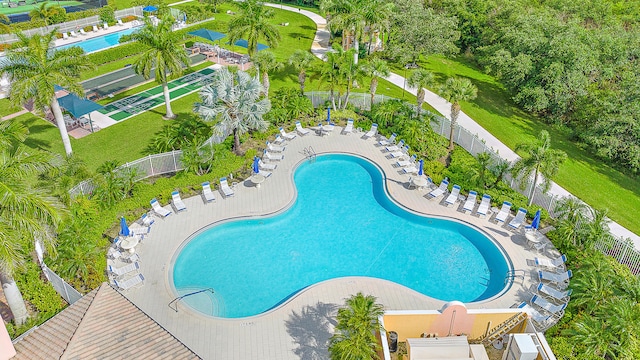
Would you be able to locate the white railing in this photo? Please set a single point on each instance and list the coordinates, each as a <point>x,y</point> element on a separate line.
<point>359,100</point>
<point>619,248</point>
<point>66,291</point>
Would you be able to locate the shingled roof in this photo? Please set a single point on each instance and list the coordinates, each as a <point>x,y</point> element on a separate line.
<point>103,324</point>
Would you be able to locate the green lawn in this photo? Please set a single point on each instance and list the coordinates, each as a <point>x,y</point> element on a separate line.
<point>590,179</point>
<point>26,8</point>
<point>7,108</point>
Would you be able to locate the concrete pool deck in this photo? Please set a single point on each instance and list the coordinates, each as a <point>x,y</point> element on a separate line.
<point>302,325</point>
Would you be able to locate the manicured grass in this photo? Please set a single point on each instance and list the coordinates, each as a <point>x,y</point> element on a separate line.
<point>585,176</point>
<point>7,108</point>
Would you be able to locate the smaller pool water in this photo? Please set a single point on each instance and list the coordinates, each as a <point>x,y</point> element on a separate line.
<point>100,42</point>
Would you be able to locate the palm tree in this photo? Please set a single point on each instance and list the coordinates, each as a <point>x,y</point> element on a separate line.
<point>266,62</point>
<point>5,24</point>
<point>163,54</point>
<point>420,78</point>
<point>33,70</point>
<point>538,158</point>
<point>377,14</point>
<point>591,333</point>
<point>251,23</point>
<point>571,214</point>
<point>484,161</point>
<point>355,336</point>
<point>376,69</point>
<point>456,90</point>
<point>233,102</point>
<point>42,12</point>
<point>26,215</point>
<point>330,73</point>
<point>300,60</point>
<point>348,16</point>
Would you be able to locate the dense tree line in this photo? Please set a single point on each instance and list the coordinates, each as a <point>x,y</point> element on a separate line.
<point>573,63</point>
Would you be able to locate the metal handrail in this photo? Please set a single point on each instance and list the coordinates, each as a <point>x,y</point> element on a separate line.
<point>175,301</point>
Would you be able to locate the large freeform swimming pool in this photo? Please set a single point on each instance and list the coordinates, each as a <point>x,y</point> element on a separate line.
<point>341,224</point>
<point>100,42</point>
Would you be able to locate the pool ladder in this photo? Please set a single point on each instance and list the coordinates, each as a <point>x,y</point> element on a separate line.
<point>175,301</point>
<point>514,274</point>
<point>310,153</point>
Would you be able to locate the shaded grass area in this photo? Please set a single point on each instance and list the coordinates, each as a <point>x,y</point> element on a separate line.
<point>584,175</point>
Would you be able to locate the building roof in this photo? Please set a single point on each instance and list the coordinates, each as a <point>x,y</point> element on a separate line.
<point>103,324</point>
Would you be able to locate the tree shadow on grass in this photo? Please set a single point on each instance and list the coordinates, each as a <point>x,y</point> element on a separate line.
<point>311,330</point>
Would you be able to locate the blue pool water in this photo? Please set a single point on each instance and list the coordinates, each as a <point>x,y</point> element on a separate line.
<point>100,42</point>
<point>342,224</point>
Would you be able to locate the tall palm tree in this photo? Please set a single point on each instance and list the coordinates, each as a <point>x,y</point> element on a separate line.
<point>539,159</point>
<point>420,78</point>
<point>377,14</point>
<point>33,70</point>
<point>570,213</point>
<point>26,215</point>
<point>163,55</point>
<point>348,16</point>
<point>375,69</point>
<point>355,336</point>
<point>330,73</point>
<point>251,23</point>
<point>456,90</point>
<point>266,62</point>
<point>233,103</point>
<point>300,60</point>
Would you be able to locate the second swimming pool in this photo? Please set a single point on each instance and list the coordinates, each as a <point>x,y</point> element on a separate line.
<point>100,42</point>
<point>342,224</point>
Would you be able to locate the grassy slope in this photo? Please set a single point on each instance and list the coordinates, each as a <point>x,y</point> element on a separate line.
<point>583,175</point>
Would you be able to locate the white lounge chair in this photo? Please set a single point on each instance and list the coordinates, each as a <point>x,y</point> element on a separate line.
<point>558,295</point>
<point>555,264</point>
<point>389,141</point>
<point>113,253</point>
<point>266,166</point>
<point>177,201</point>
<point>82,32</point>
<point>123,270</point>
<point>206,192</point>
<point>403,152</point>
<point>273,157</point>
<point>410,162</point>
<point>349,128</point>
<point>483,208</point>
<point>538,318</point>
<point>162,212</point>
<point>453,197</point>
<point>519,219</point>
<point>410,170</point>
<point>279,140</point>
<point>372,132</point>
<point>302,131</point>
<point>396,147</point>
<point>288,136</point>
<point>95,28</point>
<point>275,148</point>
<point>139,231</point>
<point>72,33</point>
<point>105,26</point>
<point>504,212</point>
<point>65,36</point>
<point>556,310</point>
<point>561,279</point>
<point>120,22</point>
<point>129,283</point>
<point>264,173</point>
<point>440,190</point>
<point>225,189</point>
<point>147,220</point>
<point>471,202</point>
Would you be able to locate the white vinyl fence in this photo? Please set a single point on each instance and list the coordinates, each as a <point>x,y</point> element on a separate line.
<point>68,293</point>
<point>619,248</point>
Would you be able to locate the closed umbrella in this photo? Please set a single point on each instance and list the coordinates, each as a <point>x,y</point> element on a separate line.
<point>328,114</point>
<point>124,229</point>
<point>420,171</point>
<point>536,220</point>
<point>256,164</point>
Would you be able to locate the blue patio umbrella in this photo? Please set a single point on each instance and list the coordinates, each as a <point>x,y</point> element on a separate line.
<point>207,34</point>
<point>245,44</point>
<point>256,164</point>
<point>328,114</point>
<point>536,220</point>
<point>124,229</point>
<point>150,8</point>
<point>420,171</point>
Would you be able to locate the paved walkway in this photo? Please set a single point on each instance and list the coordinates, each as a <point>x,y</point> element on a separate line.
<point>320,47</point>
<point>301,322</point>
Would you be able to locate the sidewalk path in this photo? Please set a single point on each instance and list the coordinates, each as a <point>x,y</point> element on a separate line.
<point>321,45</point>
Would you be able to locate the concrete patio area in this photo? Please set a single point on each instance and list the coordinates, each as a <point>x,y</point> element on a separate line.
<point>301,326</point>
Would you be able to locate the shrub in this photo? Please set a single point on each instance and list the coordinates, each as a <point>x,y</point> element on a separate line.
<point>37,292</point>
<point>107,15</point>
